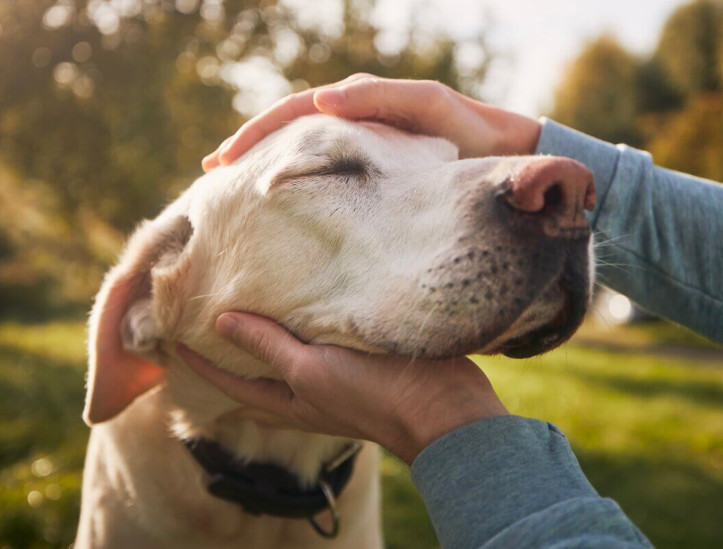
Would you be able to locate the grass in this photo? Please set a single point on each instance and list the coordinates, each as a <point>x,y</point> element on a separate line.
<point>647,429</point>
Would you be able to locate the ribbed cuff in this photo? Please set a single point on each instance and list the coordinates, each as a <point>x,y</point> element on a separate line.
<point>498,470</point>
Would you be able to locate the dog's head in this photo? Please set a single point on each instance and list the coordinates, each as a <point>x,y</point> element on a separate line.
<point>353,234</point>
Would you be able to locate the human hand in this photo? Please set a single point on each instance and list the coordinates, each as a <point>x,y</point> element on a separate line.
<point>403,405</point>
<point>418,106</point>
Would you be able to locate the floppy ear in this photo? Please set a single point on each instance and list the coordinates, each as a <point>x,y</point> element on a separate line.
<point>125,320</point>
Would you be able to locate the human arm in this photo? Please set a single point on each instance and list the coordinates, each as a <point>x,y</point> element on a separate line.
<point>658,232</point>
<point>510,481</point>
<point>488,479</point>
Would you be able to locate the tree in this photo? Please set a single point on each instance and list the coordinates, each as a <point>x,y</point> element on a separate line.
<point>690,49</point>
<point>108,106</point>
<point>598,94</point>
<point>691,140</point>
<point>669,103</point>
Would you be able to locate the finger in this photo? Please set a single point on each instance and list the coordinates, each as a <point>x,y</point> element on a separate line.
<point>267,122</point>
<point>261,125</point>
<point>212,161</point>
<point>267,394</point>
<point>263,339</point>
<point>409,102</point>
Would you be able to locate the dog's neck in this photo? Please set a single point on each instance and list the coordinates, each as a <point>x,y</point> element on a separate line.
<point>196,408</point>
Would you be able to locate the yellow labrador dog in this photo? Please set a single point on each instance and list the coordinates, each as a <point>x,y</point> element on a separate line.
<point>352,234</point>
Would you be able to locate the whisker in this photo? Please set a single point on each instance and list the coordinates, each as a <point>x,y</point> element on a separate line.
<point>610,240</point>
<point>624,267</point>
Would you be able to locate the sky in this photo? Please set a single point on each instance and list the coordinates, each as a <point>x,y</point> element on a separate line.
<point>533,40</point>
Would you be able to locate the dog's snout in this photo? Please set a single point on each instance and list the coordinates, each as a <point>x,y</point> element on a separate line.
<point>556,189</point>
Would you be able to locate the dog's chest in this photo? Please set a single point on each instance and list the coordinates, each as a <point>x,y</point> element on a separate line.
<point>141,484</point>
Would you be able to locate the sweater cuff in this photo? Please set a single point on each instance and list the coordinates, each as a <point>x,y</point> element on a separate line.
<point>501,470</point>
<point>601,157</point>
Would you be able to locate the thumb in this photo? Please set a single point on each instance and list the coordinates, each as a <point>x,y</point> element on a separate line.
<point>263,339</point>
<point>266,394</point>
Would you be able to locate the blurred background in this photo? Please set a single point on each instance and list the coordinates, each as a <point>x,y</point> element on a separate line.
<point>107,106</point>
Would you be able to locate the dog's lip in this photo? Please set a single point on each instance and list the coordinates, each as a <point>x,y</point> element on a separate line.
<point>555,332</point>
<point>542,339</point>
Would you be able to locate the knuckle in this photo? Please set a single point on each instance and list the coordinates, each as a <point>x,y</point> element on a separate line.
<point>438,97</point>
<point>360,75</point>
<point>262,344</point>
<point>298,371</point>
<point>331,354</point>
<point>298,379</point>
<point>292,376</point>
<point>433,89</point>
<point>367,82</point>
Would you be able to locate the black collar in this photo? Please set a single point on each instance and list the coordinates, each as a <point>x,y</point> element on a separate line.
<point>269,489</point>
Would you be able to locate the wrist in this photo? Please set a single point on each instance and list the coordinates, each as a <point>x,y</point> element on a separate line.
<point>518,134</point>
<point>416,433</point>
<point>513,134</point>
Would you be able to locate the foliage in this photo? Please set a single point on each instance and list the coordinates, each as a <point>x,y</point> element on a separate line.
<point>598,95</point>
<point>107,108</point>
<point>690,49</point>
<point>668,103</point>
<point>691,140</point>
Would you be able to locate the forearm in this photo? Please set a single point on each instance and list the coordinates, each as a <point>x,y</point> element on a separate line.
<point>658,232</point>
<point>514,482</point>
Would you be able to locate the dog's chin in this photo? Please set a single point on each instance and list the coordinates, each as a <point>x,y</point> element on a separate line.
<point>571,304</point>
<point>547,337</point>
<point>544,325</point>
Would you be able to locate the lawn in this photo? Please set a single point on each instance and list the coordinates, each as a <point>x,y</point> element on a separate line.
<point>645,418</point>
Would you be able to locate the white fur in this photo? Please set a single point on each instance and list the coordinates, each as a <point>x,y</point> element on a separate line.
<point>340,259</point>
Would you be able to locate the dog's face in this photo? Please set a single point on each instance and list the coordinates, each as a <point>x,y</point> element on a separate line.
<point>353,234</point>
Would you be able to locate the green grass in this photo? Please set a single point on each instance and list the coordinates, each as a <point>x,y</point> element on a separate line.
<point>648,431</point>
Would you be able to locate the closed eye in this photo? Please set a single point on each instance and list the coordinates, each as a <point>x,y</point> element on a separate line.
<point>350,166</point>
<point>340,163</point>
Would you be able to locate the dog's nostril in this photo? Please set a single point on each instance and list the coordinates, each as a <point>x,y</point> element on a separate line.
<point>555,191</point>
<point>553,197</point>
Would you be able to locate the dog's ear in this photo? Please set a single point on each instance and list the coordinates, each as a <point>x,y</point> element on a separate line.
<point>135,297</point>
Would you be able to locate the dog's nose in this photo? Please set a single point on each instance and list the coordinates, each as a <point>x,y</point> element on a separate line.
<point>558,190</point>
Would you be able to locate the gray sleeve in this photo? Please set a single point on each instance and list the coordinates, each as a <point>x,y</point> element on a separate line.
<point>658,233</point>
<point>509,481</point>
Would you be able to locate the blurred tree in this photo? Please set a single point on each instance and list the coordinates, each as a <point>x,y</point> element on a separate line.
<point>691,141</point>
<point>669,103</point>
<point>109,105</point>
<point>598,94</point>
<point>690,54</point>
<point>690,50</point>
<point>654,91</point>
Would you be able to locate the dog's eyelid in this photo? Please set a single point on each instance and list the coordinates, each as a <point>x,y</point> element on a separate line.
<point>346,165</point>
<point>330,165</point>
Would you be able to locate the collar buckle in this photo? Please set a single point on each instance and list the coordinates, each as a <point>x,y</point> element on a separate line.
<point>331,504</point>
<point>348,452</point>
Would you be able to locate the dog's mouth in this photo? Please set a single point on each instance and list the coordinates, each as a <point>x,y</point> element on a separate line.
<point>574,288</point>
<point>536,309</point>
<point>551,335</point>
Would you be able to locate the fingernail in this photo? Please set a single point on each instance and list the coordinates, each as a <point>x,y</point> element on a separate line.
<point>206,162</point>
<point>330,97</point>
<point>227,324</point>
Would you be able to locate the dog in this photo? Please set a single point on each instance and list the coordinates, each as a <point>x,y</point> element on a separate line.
<point>351,234</point>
